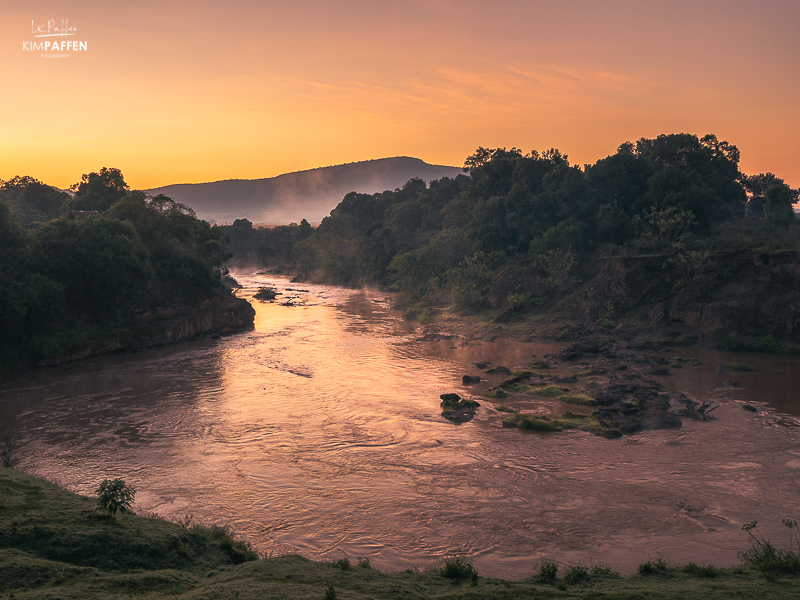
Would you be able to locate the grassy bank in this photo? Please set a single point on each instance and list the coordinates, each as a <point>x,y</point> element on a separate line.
<point>54,544</point>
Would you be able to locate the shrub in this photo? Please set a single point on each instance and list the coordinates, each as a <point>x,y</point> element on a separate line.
<point>766,558</point>
<point>576,573</point>
<point>342,563</point>
<point>364,563</point>
<point>603,570</point>
<point>548,571</point>
<point>458,567</point>
<point>657,565</point>
<point>113,496</point>
<point>330,593</point>
<point>699,570</point>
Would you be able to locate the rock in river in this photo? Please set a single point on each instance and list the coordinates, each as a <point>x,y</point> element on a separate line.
<point>458,409</point>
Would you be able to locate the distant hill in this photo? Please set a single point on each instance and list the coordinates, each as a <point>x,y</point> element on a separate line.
<point>307,195</point>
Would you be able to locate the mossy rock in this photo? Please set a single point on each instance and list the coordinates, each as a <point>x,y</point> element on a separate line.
<point>456,402</point>
<point>542,364</point>
<point>692,362</point>
<point>531,423</point>
<point>734,366</point>
<point>577,399</point>
<point>551,391</point>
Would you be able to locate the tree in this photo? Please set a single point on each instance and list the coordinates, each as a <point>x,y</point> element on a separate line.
<point>778,209</point>
<point>97,191</point>
<point>31,201</point>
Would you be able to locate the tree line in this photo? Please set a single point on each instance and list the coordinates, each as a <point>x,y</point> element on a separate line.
<point>527,228</point>
<point>74,267</point>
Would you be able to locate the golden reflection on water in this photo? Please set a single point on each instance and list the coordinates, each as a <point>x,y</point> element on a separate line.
<point>319,432</point>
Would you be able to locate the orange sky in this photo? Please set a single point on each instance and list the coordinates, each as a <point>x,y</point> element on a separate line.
<point>182,91</point>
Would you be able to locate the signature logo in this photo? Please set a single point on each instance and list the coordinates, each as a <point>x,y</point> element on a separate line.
<point>51,29</point>
<point>55,48</point>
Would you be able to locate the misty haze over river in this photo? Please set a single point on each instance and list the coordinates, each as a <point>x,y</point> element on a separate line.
<point>319,432</point>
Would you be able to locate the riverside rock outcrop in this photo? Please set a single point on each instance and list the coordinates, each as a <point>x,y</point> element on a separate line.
<point>222,314</point>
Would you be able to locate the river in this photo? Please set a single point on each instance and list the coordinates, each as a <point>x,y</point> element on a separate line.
<point>319,432</point>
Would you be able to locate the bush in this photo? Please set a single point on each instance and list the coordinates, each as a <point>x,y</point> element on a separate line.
<point>548,571</point>
<point>699,570</point>
<point>458,567</point>
<point>654,566</point>
<point>603,570</point>
<point>766,344</point>
<point>770,561</point>
<point>113,496</point>
<point>576,573</point>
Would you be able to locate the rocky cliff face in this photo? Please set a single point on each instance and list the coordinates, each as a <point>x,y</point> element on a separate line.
<point>219,315</point>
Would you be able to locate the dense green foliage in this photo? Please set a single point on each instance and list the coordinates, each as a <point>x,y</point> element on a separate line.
<point>114,495</point>
<point>524,229</point>
<point>74,277</point>
<point>31,201</point>
<point>262,246</point>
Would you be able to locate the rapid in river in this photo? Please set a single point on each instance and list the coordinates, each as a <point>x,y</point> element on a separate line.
<point>319,432</point>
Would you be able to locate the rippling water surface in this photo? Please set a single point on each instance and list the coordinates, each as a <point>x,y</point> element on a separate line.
<point>319,432</point>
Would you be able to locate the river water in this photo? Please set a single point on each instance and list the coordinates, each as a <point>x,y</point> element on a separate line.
<point>319,432</point>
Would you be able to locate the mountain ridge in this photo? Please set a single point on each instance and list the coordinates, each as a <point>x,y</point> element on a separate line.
<point>308,194</point>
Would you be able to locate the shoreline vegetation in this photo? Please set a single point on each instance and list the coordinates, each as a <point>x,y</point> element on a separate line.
<point>105,269</point>
<point>665,243</point>
<point>55,544</point>
<point>665,240</point>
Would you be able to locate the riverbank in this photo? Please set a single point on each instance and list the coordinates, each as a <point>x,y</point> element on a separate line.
<point>54,544</point>
<point>221,314</point>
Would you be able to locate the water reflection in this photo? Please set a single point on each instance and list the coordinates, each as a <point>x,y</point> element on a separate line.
<point>319,432</point>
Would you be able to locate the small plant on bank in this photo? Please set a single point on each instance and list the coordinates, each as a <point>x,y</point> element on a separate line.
<point>603,570</point>
<point>113,496</point>
<point>342,563</point>
<point>548,571</point>
<point>694,570</point>
<point>768,560</point>
<point>8,451</point>
<point>458,567</point>
<point>364,563</point>
<point>654,566</point>
<point>330,593</point>
<point>577,573</point>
